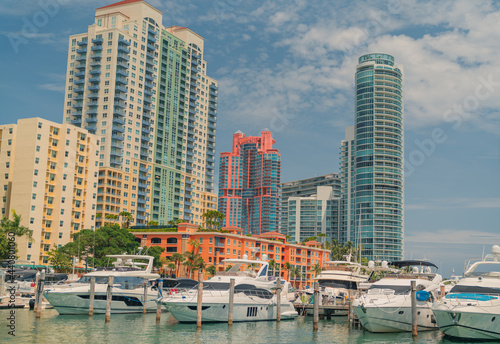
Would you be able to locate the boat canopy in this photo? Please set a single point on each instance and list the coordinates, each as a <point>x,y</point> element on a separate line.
<point>403,263</point>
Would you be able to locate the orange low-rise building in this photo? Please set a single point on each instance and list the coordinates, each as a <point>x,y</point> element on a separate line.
<point>216,246</point>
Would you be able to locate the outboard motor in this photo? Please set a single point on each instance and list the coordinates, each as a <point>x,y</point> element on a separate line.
<point>32,304</point>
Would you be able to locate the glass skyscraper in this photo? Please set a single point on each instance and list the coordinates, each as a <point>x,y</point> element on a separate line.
<point>372,161</point>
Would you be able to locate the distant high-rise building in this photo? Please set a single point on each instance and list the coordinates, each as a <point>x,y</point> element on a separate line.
<point>310,207</point>
<point>50,179</point>
<point>143,88</point>
<point>372,161</point>
<point>249,177</point>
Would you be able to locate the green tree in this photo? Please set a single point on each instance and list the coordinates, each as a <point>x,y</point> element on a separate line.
<point>152,223</point>
<point>273,265</point>
<point>287,267</point>
<point>60,260</point>
<point>14,226</point>
<point>156,252</point>
<point>213,219</point>
<point>316,268</point>
<point>211,270</point>
<point>177,258</point>
<point>127,219</point>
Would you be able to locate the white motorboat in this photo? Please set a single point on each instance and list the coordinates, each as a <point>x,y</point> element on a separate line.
<point>339,280</point>
<point>471,310</point>
<point>386,306</point>
<point>254,295</point>
<point>129,273</point>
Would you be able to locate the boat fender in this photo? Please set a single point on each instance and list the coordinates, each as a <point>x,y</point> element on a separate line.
<point>422,295</point>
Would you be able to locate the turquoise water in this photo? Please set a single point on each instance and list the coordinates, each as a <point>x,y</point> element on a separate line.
<point>138,328</point>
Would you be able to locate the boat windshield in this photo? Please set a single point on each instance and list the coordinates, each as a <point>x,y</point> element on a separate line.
<point>397,289</point>
<point>124,282</point>
<point>338,284</point>
<point>485,269</point>
<point>242,269</point>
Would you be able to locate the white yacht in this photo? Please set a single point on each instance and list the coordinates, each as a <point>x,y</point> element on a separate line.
<point>386,306</point>
<point>254,295</point>
<point>129,272</point>
<point>471,310</point>
<point>339,280</point>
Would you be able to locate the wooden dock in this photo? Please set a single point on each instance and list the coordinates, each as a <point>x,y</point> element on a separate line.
<point>327,311</point>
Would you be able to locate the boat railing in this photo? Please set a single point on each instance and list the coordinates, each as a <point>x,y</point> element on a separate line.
<point>236,274</point>
<point>192,294</point>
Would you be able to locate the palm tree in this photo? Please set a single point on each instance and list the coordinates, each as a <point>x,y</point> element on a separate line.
<point>171,267</point>
<point>295,272</point>
<point>316,268</point>
<point>287,268</point>
<point>177,258</point>
<point>191,257</point>
<point>126,218</point>
<point>213,219</point>
<point>14,226</point>
<point>273,265</point>
<point>322,236</point>
<point>211,270</point>
<point>196,245</point>
<point>111,217</point>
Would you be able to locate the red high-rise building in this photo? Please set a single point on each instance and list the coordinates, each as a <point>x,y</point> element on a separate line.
<point>248,183</point>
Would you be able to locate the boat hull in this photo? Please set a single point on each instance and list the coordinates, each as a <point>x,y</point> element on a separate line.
<point>78,302</point>
<point>467,324</point>
<point>394,319</point>
<point>186,312</point>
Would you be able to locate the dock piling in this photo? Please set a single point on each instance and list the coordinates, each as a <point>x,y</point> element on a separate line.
<point>108,299</point>
<point>231,302</point>
<point>413,309</point>
<point>316,306</point>
<point>40,294</point>
<point>145,303</point>
<point>158,307</point>
<point>200,299</point>
<point>92,296</point>
<point>278,300</point>
<point>37,287</point>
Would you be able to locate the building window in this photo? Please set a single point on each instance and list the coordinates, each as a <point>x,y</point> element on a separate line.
<point>171,240</point>
<point>155,241</point>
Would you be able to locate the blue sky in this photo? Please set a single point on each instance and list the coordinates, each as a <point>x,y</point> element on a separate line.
<point>289,66</point>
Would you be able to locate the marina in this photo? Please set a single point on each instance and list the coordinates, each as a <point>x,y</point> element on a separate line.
<point>139,328</point>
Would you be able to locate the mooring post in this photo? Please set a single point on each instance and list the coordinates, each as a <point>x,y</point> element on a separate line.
<point>278,300</point>
<point>443,291</point>
<point>40,295</point>
<point>145,303</point>
<point>92,296</point>
<point>316,306</point>
<point>200,299</point>
<point>158,306</point>
<point>231,302</point>
<point>108,299</point>
<point>413,309</point>
<point>37,288</point>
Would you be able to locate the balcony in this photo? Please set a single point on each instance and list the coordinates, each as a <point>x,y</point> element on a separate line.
<point>93,95</point>
<point>122,65</point>
<point>96,48</point>
<point>118,129</point>
<point>150,62</point>
<point>78,89</point>
<point>116,153</point>
<point>81,58</point>
<point>122,72</point>
<point>78,105</point>
<point>95,80</point>
<point>92,111</point>
<point>194,63</point>
<point>120,105</point>
<point>78,97</point>
<point>195,55</point>
<point>123,49</point>
<point>80,74</point>
<point>77,122</point>
<point>213,87</point>
<point>148,100</point>
<point>146,123</point>
<point>96,56</point>
<point>150,55</point>
<point>148,77</point>
<point>76,113</point>
<point>79,82</point>
<point>123,41</point>
<point>120,96</point>
<point>82,42</point>
<point>81,51</point>
<point>118,121</point>
<point>120,89</point>
<point>151,39</point>
<point>94,88</point>
<point>119,112</point>
<point>145,131</point>
<point>148,93</point>
<point>147,108</point>
<point>151,47</point>
<point>210,126</point>
<point>148,84</point>
<point>95,71</point>
<point>194,70</point>
<point>118,137</point>
<point>98,40</point>
<point>121,81</point>
<point>123,57</point>
<point>152,31</point>
<point>81,65</point>
<point>95,64</point>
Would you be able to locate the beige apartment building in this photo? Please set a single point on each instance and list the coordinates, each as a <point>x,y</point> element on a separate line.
<point>49,173</point>
<point>142,88</point>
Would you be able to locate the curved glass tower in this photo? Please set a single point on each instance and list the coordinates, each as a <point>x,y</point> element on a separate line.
<point>375,219</point>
